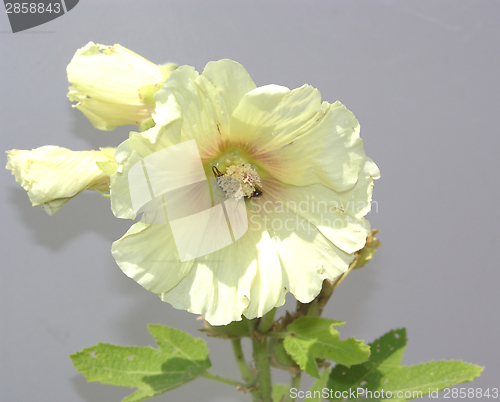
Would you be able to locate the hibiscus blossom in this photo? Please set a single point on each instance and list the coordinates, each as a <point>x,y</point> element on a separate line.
<point>305,181</point>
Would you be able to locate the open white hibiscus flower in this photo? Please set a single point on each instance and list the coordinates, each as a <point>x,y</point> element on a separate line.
<point>305,181</point>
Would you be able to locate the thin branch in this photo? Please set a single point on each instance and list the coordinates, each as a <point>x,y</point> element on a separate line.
<point>225,380</point>
<point>246,374</point>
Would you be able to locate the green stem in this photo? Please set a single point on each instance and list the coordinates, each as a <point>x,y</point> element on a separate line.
<point>295,384</point>
<point>313,310</point>
<point>267,321</point>
<point>263,384</point>
<point>279,335</point>
<point>263,369</point>
<point>246,374</point>
<point>225,380</point>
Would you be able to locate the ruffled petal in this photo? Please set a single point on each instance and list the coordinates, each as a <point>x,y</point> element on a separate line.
<point>269,286</point>
<point>132,151</point>
<point>298,140</point>
<point>206,101</point>
<point>337,215</point>
<point>121,203</point>
<point>226,82</point>
<point>330,153</point>
<point>147,253</point>
<point>306,255</point>
<point>271,116</point>
<point>200,119</point>
<point>243,278</point>
<point>356,202</point>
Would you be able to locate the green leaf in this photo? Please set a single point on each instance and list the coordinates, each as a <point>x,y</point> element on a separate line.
<point>383,371</point>
<point>312,337</point>
<point>280,392</point>
<point>179,359</point>
<point>319,385</point>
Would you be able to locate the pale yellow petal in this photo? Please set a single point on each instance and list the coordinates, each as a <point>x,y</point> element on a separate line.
<point>119,190</point>
<point>200,119</point>
<point>147,254</point>
<point>271,116</point>
<point>306,255</point>
<point>297,139</point>
<point>206,102</point>
<point>106,116</point>
<point>226,81</point>
<point>356,202</point>
<point>242,278</point>
<point>330,153</point>
<point>133,151</point>
<point>338,215</point>
<point>52,207</point>
<point>269,285</point>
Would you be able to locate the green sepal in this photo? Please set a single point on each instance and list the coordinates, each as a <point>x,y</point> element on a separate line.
<point>167,69</point>
<point>179,359</point>
<point>364,255</point>
<point>383,370</point>
<point>146,93</point>
<point>108,167</point>
<point>312,338</point>
<point>147,124</point>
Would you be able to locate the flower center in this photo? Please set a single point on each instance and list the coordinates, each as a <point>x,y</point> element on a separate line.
<point>248,178</point>
<point>236,177</point>
<point>232,158</point>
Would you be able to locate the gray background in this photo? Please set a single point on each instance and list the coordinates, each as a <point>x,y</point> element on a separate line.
<point>421,76</point>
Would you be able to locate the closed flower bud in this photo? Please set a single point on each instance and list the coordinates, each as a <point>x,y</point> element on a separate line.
<point>113,85</point>
<point>53,175</point>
